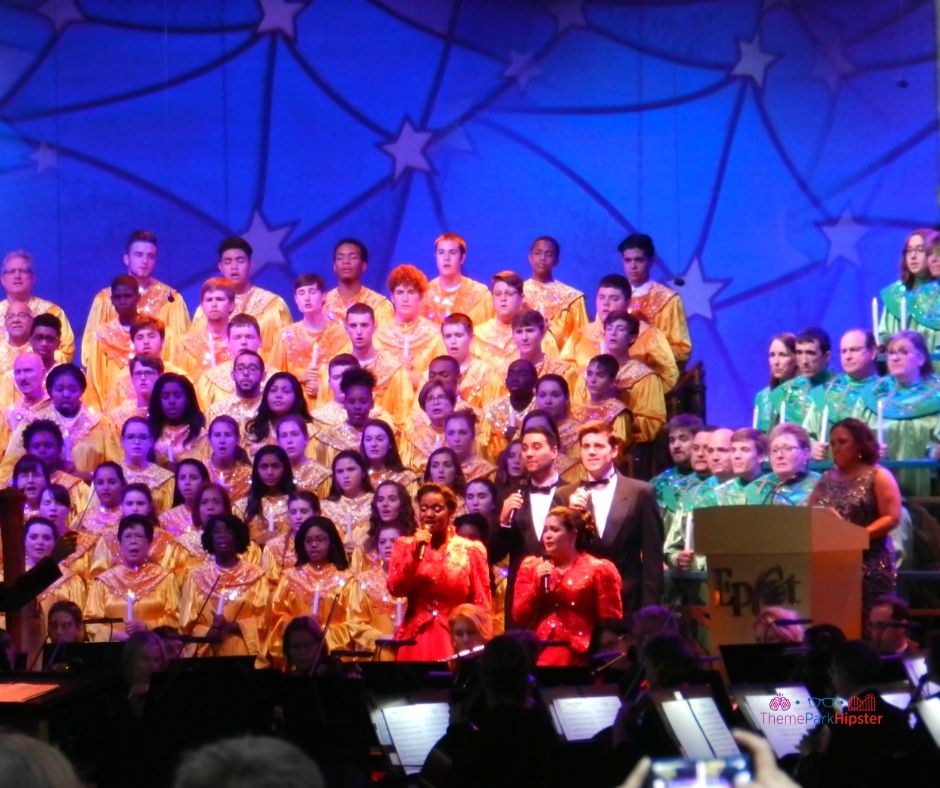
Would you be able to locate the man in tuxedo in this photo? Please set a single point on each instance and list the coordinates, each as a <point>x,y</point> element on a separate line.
<point>523,514</point>
<point>630,529</point>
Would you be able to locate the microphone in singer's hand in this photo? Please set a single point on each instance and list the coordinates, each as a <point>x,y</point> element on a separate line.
<point>512,514</point>
<point>421,548</point>
<point>546,579</point>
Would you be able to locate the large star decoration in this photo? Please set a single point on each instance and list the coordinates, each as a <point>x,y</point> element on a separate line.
<point>568,13</point>
<point>522,67</point>
<point>832,66</point>
<point>280,17</point>
<point>753,61</point>
<point>408,149</point>
<point>844,235</point>
<point>45,157</point>
<point>697,292</point>
<point>266,242</point>
<point>61,13</point>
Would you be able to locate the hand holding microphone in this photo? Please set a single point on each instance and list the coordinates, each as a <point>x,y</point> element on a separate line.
<point>510,505</point>
<point>422,539</point>
<point>543,571</point>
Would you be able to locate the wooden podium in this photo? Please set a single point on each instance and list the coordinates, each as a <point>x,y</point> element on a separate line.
<point>806,559</point>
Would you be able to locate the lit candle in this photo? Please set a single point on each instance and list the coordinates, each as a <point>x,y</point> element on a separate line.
<point>221,604</point>
<point>399,613</point>
<point>783,412</point>
<point>754,418</point>
<point>316,356</point>
<point>131,596</point>
<point>689,531</point>
<point>212,349</point>
<point>66,445</point>
<point>881,422</point>
<point>874,318</point>
<point>824,429</point>
<point>315,609</point>
<point>512,417</point>
<point>170,453</point>
<point>270,519</point>
<point>904,313</point>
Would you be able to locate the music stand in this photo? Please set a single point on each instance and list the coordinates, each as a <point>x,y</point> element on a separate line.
<point>83,657</point>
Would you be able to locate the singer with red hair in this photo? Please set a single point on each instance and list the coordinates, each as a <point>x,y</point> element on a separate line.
<point>437,570</point>
<point>563,596</point>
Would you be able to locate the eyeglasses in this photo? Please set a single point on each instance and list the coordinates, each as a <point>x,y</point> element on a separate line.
<point>784,449</point>
<point>244,368</point>
<point>27,271</point>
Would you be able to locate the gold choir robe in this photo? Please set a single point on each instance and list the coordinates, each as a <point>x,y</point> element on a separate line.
<point>662,307</point>
<point>236,479</point>
<point>271,521</point>
<point>350,516</point>
<point>374,613</point>
<point>335,306</point>
<point>471,298</point>
<point>294,349</point>
<point>197,350</point>
<point>269,309</point>
<point>642,392</point>
<point>156,602</point>
<point>562,306</point>
<point>494,344</point>
<point>40,306</point>
<point>215,385</point>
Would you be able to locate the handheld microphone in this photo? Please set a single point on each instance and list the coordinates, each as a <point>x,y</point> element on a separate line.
<point>512,514</point>
<point>421,549</point>
<point>546,579</point>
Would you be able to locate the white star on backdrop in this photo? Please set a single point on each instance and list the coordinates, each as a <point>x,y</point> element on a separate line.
<point>568,13</point>
<point>844,235</point>
<point>280,17</point>
<point>832,66</point>
<point>408,149</point>
<point>698,292</point>
<point>45,157</point>
<point>522,67</point>
<point>61,13</point>
<point>266,242</point>
<point>753,60</point>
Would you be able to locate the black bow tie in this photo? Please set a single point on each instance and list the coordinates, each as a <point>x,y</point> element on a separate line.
<point>534,488</point>
<point>590,484</point>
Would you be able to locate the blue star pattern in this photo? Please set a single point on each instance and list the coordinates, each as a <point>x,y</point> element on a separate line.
<point>777,151</point>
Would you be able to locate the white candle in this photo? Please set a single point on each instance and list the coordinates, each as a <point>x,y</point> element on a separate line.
<point>754,418</point>
<point>221,605</point>
<point>783,412</point>
<point>316,356</point>
<point>212,348</point>
<point>270,520</point>
<point>315,609</point>
<point>399,613</point>
<point>66,445</point>
<point>603,346</point>
<point>512,417</point>
<point>824,428</point>
<point>170,453</point>
<point>904,313</point>
<point>131,596</point>
<point>874,318</point>
<point>689,525</point>
<point>881,422</point>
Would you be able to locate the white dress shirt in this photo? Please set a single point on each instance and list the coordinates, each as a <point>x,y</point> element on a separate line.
<point>601,499</point>
<point>541,503</point>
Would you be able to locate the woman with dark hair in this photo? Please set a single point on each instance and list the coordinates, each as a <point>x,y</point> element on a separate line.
<point>43,439</point>
<point>291,431</point>
<point>176,422</point>
<point>209,501</point>
<point>282,394</point>
<point>228,462</point>
<point>138,465</point>
<point>436,570</point>
<point>108,485</point>
<point>30,477</point>
<point>909,401</point>
<point>138,591</point>
<point>265,508</point>
<point>55,505</point>
<point>304,650</point>
<point>226,599</point>
<point>438,402</point>
<point>375,612</point>
<point>913,273</point>
<point>379,447</point>
<point>320,585</point>
<point>867,495</point>
<point>278,553</point>
<point>564,596</point>
<point>443,468</point>
<point>475,527</point>
<point>482,498</point>
<point>553,396</point>
<point>510,472</point>
<point>460,435</point>
<point>349,503</point>
<point>391,506</point>
<point>781,357</point>
<point>190,475</point>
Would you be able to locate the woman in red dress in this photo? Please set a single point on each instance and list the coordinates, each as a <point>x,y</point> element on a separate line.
<point>564,597</point>
<point>437,570</point>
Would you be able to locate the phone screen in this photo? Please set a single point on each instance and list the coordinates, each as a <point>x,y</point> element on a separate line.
<point>679,772</point>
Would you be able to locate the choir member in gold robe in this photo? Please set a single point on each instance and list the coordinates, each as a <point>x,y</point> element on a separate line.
<point>602,403</point>
<point>30,477</point>
<point>460,435</point>
<point>28,396</point>
<point>17,325</point>
<point>226,599</point>
<point>350,259</point>
<point>55,505</point>
<point>357,386</point>
<point>144,371</point>
<point>451,291</point>
<point>155,298</point>
<point>320,585</point>
<point>190,476</point>
<point>391,506</point>
<point>510,470</point>
<point>107,350</point>
<point>443,467</point>
<point>176,422</point>
<point>292,436</point>
<point>282,395</point>
<point>438,402</point>
<point>478,383</point>
<point>563,307</point>
<point>502,418</point>
<point>528,333</point>
<point>248,374</point>
<point>349,501</point>
<point>203,347</point>
<point>137,442</point>
<point>268,308</point>
<point>265,508</point>
<point>139,592</point>
<point>45,335</point>
<point>19,279</point>
<point>227,462</point>
<point>219,383</point>
<point>211,499</point>
<point>553,396</point>
<point>380,449</point>
<point>104,510</point>
<point>374,613</point>
<point>279,554</point>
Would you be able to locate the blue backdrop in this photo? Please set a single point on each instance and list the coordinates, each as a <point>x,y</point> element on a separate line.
<point>777,150</point>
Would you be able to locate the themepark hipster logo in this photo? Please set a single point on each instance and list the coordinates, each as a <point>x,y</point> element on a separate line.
<point>823,711</point>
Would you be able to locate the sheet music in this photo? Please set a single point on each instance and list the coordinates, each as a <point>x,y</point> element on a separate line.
<point>415,729</point>
<point>692,740</point>
<point>21,691</point>
<point>713,724</point>
<point>929,712</point>
<point>582,718</point>
<point>900,699</point>
<point>916,667</point>
<point>785,736</point>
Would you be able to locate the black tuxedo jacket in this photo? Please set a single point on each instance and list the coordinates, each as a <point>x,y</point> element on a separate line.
<point>633,540</point>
